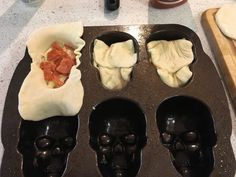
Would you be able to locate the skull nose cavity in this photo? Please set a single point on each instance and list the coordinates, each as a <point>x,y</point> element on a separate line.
<point>191,136</point>
<point>57,151</point>
<point>118,148</point>
<point>179,146</point>
<point>43,154</point>
<point>193,147</point>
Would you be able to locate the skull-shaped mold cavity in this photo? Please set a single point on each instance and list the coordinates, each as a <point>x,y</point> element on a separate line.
<point>171,74</point>
<point>187,130</point>
<point>118,134</point>
<point>115,66</point>
<point>45,145</point>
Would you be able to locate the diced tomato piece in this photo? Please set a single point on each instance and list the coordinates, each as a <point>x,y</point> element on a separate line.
<point>54,55</point>
<point>65,66</point>
<point>57,81</point>
<point>48,75</point>
<point>43,65</point>
<point>57,52</point>
<point>70,53</point>
<point>56,45</point>
<point>59,63</point>
<point>48,65</point>
<point>69,50</point>
<point>56,73</point>
<point>48,69</point>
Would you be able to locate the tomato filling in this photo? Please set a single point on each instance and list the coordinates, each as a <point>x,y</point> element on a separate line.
<point>60,60</point>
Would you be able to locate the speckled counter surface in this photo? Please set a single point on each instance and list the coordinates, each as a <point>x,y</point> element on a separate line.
<point>18,20</point>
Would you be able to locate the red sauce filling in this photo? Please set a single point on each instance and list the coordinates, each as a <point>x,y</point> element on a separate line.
<point>60,60</point>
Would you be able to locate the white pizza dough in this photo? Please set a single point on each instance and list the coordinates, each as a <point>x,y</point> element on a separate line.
<point>40,41</point>
<point>114,78</point>
<point>226,20</point>
<point>171,55</point>
<point>172,59</point>
<point>120,54</point>
<point>37,101</point>
<point>177,79</point>
<point>115,62</point>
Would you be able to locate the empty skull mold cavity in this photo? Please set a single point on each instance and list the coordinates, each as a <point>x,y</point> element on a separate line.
<point>173,73</point>
<point>114,55</point>
<point>187,130</point>
<point>118,134</point>
<point>45,145</point>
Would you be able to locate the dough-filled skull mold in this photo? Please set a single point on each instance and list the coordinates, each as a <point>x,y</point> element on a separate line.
<point>172,60</point>
<point>117,135</point>
<point>115,58</point>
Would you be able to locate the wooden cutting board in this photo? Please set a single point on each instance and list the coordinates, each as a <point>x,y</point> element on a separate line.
<point>224,50</point>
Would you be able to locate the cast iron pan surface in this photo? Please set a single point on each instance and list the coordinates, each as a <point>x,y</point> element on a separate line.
<point>199,110</point>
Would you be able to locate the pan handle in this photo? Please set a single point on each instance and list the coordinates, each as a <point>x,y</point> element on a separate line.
<point>112,4</point>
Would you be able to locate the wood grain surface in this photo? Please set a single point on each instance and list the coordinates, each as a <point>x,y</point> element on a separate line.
<point>224,50</point>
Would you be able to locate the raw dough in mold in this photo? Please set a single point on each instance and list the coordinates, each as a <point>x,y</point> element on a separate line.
<point>115,63</point>
<point>37,101</point>
<point>172,59</point>
<point>226,20</point>
<point>114,78</point>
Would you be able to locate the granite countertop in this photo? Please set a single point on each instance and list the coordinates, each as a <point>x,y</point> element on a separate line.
<point>18,20</point>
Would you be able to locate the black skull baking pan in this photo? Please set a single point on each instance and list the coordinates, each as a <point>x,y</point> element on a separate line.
<point>148,126</point>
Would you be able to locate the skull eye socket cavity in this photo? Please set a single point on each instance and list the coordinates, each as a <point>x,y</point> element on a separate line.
<point>190,136</point>
<point>130,139</point>
<point>166,138</point>
<point>105,140</point>
<point>43,143</point>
